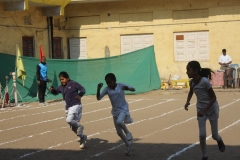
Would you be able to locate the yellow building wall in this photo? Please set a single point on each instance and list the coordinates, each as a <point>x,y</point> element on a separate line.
<point>103,24</point>
<point>12,29</point>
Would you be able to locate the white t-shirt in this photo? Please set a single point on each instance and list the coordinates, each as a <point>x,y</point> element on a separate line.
<point>117,98</point>
<point>224,59</point>
<point>203,98</point>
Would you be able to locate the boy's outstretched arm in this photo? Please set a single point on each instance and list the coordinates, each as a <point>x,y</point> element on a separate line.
<point>98,90</point>
<point>53,90</point>
<point>128,88</point>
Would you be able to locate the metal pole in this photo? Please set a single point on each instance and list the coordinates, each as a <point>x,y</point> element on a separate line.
<point>50,36</point>
<point>15,88</point>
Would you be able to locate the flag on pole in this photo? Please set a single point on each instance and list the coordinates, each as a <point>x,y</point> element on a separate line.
<point>21,73</point>
<point>41,53</point>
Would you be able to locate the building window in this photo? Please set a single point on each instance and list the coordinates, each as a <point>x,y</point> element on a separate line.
<point>28,46</point>
<point>78,48</point>
<point>191,46</point>
<point>57,48</point>
<point>130,43</point>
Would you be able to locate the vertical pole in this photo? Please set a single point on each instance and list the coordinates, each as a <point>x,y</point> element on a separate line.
<point>15,88</point>
<point>6,91</point>
<point>50,36</point>
<point>0,90</point>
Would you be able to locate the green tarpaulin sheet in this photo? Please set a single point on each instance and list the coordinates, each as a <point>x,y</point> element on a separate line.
<point>137,69</point>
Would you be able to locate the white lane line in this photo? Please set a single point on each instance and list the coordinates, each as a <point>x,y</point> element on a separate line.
<point>193,145</point>
<point>134,111</point>
<point>98,133</point>
<point>13,108</point>
<point>54,120</point>
<point>82,123</point>
<point>55,146</point>
<point>137,100</point>
<point>31,115</point>
<point>51,104</point>
<point>24,109</point>
<point>41,122</point>
<point>98,154</point>
<point>151,118</point>
<point>47,131</point>
<point>103,100</point>
<point>49,112</point>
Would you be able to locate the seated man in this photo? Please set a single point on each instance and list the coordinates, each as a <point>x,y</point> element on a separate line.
<point>224,60</point>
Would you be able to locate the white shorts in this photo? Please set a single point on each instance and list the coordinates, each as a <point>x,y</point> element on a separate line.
<point>75,110</point>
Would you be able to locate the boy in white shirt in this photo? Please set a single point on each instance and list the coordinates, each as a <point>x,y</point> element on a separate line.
<point>224,60</point>
<point>120,110</point>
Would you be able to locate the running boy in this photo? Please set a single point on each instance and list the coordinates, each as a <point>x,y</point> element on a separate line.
<point>207,105</point>
<point>72,102</point>
<point>120,110</point>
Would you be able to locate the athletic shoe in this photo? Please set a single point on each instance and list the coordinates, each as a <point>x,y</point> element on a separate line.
<point>205,158</point>
<point>82,141</point>
<point>80,130</point>
<point>41,104</point>
<point>129,136</point>
<point>128,148</point>
<point>221,145</point>
<point>45,103</point>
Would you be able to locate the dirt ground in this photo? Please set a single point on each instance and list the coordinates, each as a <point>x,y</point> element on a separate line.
<point>162,130</point>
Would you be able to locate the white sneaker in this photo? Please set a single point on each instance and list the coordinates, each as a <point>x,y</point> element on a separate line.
<point>129,136</point>
<point>45,103</point>
<point>41,104</point>
<point>80,130</point>
<point>128,148</point>
<point>82,141</point>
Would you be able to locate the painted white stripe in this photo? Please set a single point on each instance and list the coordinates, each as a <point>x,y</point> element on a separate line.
<point>50,112</point>
<point>47,131</point>
<point>24,109</point>
<point>51,120</point>
<point>193,145</point>
<point>31,136</point>
<point>55,146</point>
<point>109,107</point>
<point>134,111</point>
<point>98,154</point>
<point>51,104</point>
<point>85,104</point>
<point>55,120</point>
<point>31,115</point>
<point>98,133</point>
<point>15,107</point>
<point>171,125</point>
<point>161,116</point>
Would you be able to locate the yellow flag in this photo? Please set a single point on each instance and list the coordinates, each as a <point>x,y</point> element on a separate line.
<point>21,73</point>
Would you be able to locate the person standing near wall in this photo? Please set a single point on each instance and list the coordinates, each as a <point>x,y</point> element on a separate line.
<point>42,80</point>
<point>224,60</point>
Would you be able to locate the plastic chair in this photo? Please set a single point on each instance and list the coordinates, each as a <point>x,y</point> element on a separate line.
<point>238,77</point>
<point>228,76</point>
<point>235,66</point>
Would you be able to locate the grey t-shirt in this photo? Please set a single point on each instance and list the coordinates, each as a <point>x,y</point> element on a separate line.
<point>203,98</point>
<point>117,98</point>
